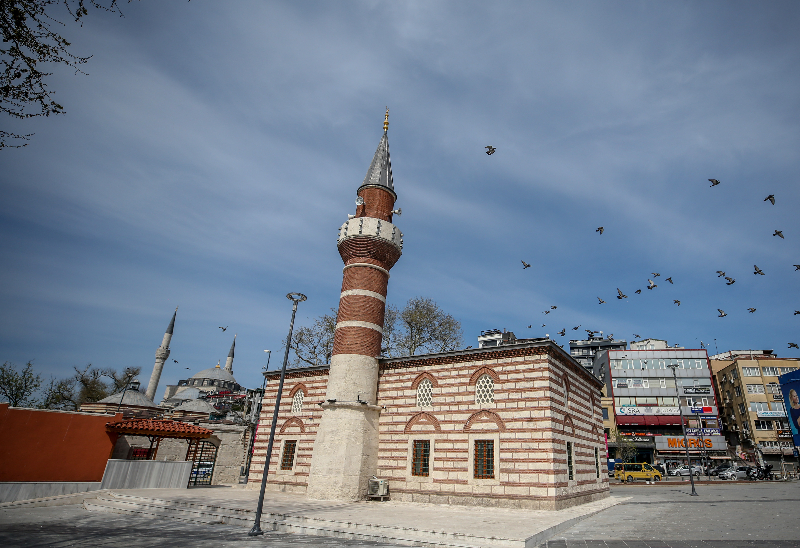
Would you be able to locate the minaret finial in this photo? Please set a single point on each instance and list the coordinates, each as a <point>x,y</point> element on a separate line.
<point>386,121</point>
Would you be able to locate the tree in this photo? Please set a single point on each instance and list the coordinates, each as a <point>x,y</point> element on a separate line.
<point>30,41</point>
<point>86,385</point>
<point>420,327</point>
<point>626,449</point>
<point>17,388</point>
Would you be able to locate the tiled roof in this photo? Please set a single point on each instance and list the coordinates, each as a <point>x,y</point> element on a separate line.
<point>159,427</point>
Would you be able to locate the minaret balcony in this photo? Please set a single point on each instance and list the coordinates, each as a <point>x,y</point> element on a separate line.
<point>372,228</point>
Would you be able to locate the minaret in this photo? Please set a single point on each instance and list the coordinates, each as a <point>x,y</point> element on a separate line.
<point>229,361</point>
<point>346,447</point>
<point>162,353</point>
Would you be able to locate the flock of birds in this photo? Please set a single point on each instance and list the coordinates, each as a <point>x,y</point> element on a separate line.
<point>652,285</point>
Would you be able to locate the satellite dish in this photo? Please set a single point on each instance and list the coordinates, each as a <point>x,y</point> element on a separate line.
<point>359,201</point>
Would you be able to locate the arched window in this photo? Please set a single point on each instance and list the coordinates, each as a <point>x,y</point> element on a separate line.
<point>297,402</point>
<point>484,390</point>
<point>424,393</point>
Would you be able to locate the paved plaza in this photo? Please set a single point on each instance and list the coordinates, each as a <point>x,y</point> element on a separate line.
<point>653,516</point>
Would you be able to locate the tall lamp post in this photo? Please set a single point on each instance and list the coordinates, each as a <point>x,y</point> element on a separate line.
<point>674,366</point>
<point>258,415</point>
<point>256,530</point>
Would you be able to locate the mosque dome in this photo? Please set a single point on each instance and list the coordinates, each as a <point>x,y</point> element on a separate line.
<point>214,373</point>
<point>132,397</point>
<point>196,406</point>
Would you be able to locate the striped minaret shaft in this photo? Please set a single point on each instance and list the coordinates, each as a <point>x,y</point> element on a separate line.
<point>346,444</point>
<point>162,353</point>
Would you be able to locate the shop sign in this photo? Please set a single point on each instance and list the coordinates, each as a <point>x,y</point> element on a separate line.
<point>647,411</point>
<point>640,439</point>
<point>715,443</point>
<point>785,434</point>
<point>622,384</point>
<point>697,390</point>
<point>705,432</point>
<point>768,414</point>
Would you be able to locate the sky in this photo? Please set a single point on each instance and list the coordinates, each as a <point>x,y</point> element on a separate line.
<point>212,151</point>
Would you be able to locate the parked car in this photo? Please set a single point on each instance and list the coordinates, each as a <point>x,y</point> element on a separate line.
<point>684,470</point>
<point>630,471</point>
<point>715,470</point>
<point>735,473</point>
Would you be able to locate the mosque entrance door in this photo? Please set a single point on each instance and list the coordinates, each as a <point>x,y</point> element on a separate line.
<point>203,455</point>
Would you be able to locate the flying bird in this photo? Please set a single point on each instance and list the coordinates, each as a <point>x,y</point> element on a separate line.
<point>223,328</point>
<point>751,310</point>
<point>720,274</point>
<point>796,266</point>
<point>525,265</point>
<point>670,279</point>
<point>638,291</point>
<point>553,307</point>
<point>600,229</point>
<point>796,312</point>
<point>652,284</point>
<point>621,294</point>
<point>758,270</point>
<point>601,300</point>
<point>489,149</point>
<point>656,274</point>
<point>176,361</point>
<point>676,301</point>
<point>576,328</point>
<point>730,281</point>
<point>794,345</point>
<point>562,332</point>
<point>722,313</point>
<point>635,336</point>
<point>545,312</point>
<point>771,198</point>
<point>714,182</point>
<point>610,336</point>
<point>779,233</point>
<point>530,326</point>
<point>590,332</point>
<point>543,325</point>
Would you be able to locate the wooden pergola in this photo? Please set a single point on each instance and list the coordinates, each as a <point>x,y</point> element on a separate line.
<point>157,429</point>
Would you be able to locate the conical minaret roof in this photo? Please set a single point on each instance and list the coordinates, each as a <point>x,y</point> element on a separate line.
<point>379,173</point>
<point>172,322</point>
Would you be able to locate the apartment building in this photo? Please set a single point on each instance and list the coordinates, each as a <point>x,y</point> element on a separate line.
<point>648,401</point>
<point>753,409</point>
<point>584,351</point>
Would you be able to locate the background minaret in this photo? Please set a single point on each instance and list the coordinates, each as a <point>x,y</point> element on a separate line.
<point>229,361</point>
<point>346,446</point>
<point>162,353</point>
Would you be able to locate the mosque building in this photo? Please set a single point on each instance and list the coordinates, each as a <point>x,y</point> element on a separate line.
<point>516,425</point>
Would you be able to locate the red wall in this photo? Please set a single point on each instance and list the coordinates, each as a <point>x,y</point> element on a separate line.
<point>40,445</point>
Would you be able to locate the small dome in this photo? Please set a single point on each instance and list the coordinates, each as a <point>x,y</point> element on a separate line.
<point>188,393</point>
<point>196,406</point>
<point>132,397</point>
<point>215,373</point>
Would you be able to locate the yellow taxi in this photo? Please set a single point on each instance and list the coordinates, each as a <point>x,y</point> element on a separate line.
<point>630,471</point>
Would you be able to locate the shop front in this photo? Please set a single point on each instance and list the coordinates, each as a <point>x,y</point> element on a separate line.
<point>703,449</point>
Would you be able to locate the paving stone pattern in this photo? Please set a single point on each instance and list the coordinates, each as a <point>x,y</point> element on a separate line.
<point>63,526</point>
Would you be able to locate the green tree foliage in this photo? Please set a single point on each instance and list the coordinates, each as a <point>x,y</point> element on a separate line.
<point>32,43</point>
<point>626,449</point>
<point>421,327</point>
<point>17,387</point>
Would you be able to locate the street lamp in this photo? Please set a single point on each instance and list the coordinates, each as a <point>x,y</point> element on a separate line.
<point>258,415</point>
<point>128,384</point>
<point>256,530</point>
<point>674,366</point>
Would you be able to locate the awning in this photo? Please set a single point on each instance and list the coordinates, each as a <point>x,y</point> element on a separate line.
<point>159,428</point>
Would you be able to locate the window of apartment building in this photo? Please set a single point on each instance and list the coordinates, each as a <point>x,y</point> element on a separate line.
<point>737,391</point>
<point>759,406</point>
<point>778,406</point>
<point>647,401</point>
<point>741,409</point>
<point>420,461</point>
<point>763,425</point>
<point>638,383</point>
<point>773,388</point>
<point>484,459</point>
<point>570,470</point>
<point>751,372</point>
<point>597,461</point>
<point>724,378</point>
<point>734,375</point>
<point>425,393</point>
<point>770,371</point>
<point>727,395</point>
<point>297,402</point>
<point>695,400</point>
<point>668,401</point>
<point>666,383</point>
<point>624,401</point>
<point>287,460</point>
<point>785,370</point>
<point>755,388</point>
<point>605,413</point>
<point>484,390</point>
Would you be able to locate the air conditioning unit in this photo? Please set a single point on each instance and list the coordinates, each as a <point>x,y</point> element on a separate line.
<point>378,487</point>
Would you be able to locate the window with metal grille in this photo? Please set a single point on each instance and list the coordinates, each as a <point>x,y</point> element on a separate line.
<point>287,460</point>
<point>484,390</point>
<point>424,393</point>
<point>297,402</point>
<point>597,461</point>
<point>420,462</point>
<point>569,461</point>
<point>484,459</point>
